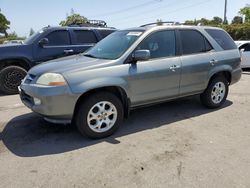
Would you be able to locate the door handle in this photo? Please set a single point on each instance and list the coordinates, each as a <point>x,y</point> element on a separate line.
<point>174,67</point>
<point>213,61</point>
<point>68,51</point>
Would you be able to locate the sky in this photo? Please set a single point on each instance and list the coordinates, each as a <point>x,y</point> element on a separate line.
<point>120,14</point>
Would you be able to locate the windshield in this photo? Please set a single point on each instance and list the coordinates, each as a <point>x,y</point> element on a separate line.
<point>114,46</point>
<point>30,39</point>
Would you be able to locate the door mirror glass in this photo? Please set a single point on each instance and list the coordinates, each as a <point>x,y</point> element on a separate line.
<point>141,55</point>
<point>43,42</point>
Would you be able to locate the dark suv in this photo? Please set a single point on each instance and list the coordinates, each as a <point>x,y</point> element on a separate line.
<point>48,43</point>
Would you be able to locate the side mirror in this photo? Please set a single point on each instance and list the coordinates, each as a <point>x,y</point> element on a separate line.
<point>141,55</point>
<point>242,50</point>
<point>43,42</point>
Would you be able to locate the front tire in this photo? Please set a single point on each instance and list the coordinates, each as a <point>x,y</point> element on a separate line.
<point>216,93</point>
<point>10,79</point>
<point>99,115</point>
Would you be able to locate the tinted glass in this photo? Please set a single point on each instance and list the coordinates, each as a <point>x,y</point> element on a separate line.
<point>83,37</point>
<point>58,38</point>
<point>114,45</point>
<point>105,33</point>
<point>222,38</point>
<point>160,44</point>
<point>246,47</point>
<point>192,42</point>
<point>208,45</point>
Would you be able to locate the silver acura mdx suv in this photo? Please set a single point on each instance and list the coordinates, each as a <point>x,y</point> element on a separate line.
<point>132,68</point>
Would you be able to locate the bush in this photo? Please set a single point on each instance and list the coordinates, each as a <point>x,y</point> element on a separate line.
<point>238,31</point>
<point>12,36</point>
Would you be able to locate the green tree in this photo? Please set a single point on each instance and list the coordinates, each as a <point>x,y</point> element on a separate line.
<point>190,22</point>
<point>246,12</point>
<point>12,36</point>
<point>31,31</point>
<point>4,24</point>
<point>237,20</point>
<point>74,19</point>
<point>216,21</point>
<point>238,31</point>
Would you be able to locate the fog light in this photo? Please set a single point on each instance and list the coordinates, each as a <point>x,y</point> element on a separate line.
<point>37,101</point>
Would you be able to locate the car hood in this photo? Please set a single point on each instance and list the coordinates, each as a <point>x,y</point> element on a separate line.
<point>69,64</point>
<point>4,47</point>
<point>11,45</point>
<point>14,50</point>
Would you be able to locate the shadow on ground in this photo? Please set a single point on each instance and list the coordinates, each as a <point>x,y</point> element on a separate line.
<point>246,71</point>
<point>29,135</point>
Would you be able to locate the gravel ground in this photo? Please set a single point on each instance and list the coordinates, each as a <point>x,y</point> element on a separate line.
<point>175,144</point>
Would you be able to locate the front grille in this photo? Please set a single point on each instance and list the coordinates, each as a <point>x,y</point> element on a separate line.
<point>29,78</point>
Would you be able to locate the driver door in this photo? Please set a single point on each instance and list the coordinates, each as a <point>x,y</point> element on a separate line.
<point>159,77</point>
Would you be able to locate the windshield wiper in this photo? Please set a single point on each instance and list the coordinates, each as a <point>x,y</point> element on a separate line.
<point>89,55</point>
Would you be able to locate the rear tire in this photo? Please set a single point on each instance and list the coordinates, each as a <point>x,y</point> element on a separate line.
<point>10,79</point>
<point>216,93</point>
<point>99,115</point>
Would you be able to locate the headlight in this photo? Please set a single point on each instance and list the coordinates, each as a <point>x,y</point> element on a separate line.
<point>51,79</point>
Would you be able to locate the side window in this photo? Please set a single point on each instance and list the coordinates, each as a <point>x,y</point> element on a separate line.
<point>222,38</point>
<point>160,44</point>
<point>246,47</point>
<point>193,42</point>
<point>208,45</point>
<point>85,37</point>
<point>58,38</point>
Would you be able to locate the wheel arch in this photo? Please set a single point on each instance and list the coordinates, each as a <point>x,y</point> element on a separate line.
<point>225,74</point>
<point>225,71</point>
<point>116,90</point>
<point>22,62</point>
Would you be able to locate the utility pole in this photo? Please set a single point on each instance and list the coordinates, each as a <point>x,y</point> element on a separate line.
<point>225,13</point>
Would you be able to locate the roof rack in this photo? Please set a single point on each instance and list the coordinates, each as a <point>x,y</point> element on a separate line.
<point>91,23</point>
<point>161,23</point>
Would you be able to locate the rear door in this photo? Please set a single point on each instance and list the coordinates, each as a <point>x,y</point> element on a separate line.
<point>197,54</point>
<point>58,46</point>
<point>82,40</point>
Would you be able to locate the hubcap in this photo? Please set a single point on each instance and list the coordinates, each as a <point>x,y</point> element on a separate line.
<point>218,92</point>
<point>13,79</point>
<point>102,116</point>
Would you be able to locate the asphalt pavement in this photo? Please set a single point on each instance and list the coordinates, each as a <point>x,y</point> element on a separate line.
<point>174,144</point>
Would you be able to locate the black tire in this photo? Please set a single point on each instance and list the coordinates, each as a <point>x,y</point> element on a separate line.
<point>86,106</point>
<point>206,96</point>
<point>10,79</point>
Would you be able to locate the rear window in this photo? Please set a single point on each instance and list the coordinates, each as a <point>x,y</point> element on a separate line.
<point>222,38</point>
<point>85,37</point>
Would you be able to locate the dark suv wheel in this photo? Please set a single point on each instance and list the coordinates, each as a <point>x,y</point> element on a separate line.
<point>216,93</point>
<point>10,79</point>
<point>99,115</point>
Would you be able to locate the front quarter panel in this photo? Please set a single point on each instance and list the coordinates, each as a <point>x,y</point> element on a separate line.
<point>86,80</point>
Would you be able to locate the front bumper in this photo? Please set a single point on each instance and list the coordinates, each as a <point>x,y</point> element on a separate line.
<point>56,104</point>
